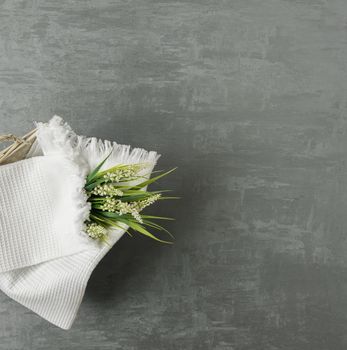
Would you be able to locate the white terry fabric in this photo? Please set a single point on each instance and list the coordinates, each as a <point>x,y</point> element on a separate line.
<point>54,288</point>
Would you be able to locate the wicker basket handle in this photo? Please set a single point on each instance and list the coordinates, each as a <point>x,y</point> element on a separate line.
<point>19,148</point>
<point>11,137</point>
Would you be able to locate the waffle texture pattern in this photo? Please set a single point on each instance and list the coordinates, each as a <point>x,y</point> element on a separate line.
<point>36,217</point>
<point>46,258</point>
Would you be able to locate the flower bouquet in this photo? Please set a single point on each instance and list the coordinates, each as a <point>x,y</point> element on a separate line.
<point>56,226</point>
<point>115,201</point>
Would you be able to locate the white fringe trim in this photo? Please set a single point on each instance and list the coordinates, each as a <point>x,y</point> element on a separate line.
<point>57,138</point>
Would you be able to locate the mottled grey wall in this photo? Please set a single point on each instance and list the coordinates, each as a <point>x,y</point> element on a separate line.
<point>248,98</point>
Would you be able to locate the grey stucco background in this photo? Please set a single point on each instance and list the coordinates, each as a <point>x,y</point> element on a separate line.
<point>248,99</point>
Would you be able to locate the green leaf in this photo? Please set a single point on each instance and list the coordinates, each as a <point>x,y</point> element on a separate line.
<point>99,220</point>
<point>89,187</point>
<point>158,227</point>
<point>135,198</point>
<point>153,179</point>
<point>93,174</point>
<point>108,214</point>
<point>161,198</point>
<point>128,220</point>
<point>156,217</point>
<point>139,228</point>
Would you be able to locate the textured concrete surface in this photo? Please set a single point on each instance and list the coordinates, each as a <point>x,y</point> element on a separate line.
<point>248,98</point>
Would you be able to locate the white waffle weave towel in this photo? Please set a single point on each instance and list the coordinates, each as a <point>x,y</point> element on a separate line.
<point>37,217</point>
<point>46,258</point>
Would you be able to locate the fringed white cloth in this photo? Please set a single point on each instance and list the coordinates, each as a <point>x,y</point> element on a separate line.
<point>46,258</point>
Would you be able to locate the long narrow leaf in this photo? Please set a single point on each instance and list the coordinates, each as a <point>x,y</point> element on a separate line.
<point>93,174</point>
<point>157,227</point>
<point>153,179</point>
<point>141,229</point>
<point>156,217</point>
<point>89,187</point>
